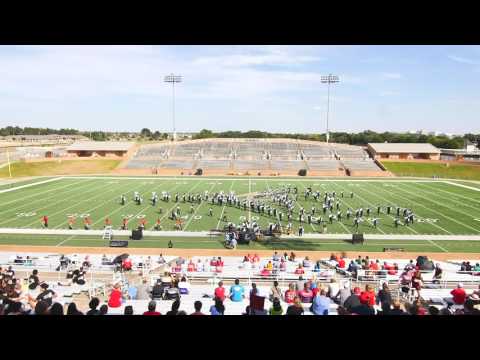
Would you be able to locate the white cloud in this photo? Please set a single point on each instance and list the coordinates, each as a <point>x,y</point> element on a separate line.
<point>389,75</point>
<point>463,60</point>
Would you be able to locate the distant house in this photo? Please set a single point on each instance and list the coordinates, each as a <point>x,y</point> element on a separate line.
<point>405,151</point>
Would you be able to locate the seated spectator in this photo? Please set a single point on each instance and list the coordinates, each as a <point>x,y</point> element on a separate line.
<point>469,308</point>
<point>417,308</point>
<point>476,268</point>
<point>152,305</point>
<point>93,304</point>
<point>299,270</point>
<point>103,309</point>
<point>353,300</point>
<point>128,310</point>
<point>359,260</point>
<point>292,256</point>
<point>191,266</point>
<point>296,308</point>
<point>333,288</point>
<point>306,262</point>
<point>175,307</point>
<point>219,292</point>
<point>56,309</point>
<point>172,293</point>
<point>127,264</point>
<point>106,260</point>
<point>184,286</point>
<point>321,303</point>
<point>158,290</point>
<point>397,309</point>
<point>468,266</point>
<point>285,256</point>
<point>218,308</point>
<point>306,294</point>
<point>161,260</point>
<point>276,308</point>
<point>317,267</point>
<point>265,272</point>
<point>276,257</point>
<point>290,294</point>
<point>352,267</point>
<point>86,262</point>
<point>237,292</point>
<point>283,265</point>
<point>33,280</point>
<point>275,292</point>
<point>116,296</point>
<point>198,308</point>
<point>79,276</point>
<point>269,266</point>
<point>368,296</point>
<point>341,263</point>
<point>459,295</point>
<point>72,309</point>
<point>41,308</point>
<point>253,290</point>
<point>46,294</point>
<point>365,307</point>
<point>199,267</point>
<point>384,298</point>
<point>256,258</point>
<point>343,294</point>
<point>15,308</point>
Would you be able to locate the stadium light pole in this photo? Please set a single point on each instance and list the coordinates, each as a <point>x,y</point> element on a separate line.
<point>330,79</point>
<point>172,79</point>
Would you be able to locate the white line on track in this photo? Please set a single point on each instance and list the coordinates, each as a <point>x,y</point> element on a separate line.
<point>440,247</point>
<point>29,185</point>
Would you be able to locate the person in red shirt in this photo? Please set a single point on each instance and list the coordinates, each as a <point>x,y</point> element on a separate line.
<point>115,299</point>
<point>341,263</point>
<point>306,295</point>
<point>220,291</point>
<point>256,258</point>
<point>152,305</point>
<point>299,270</point>
<point>219,262</point>
<point>127,264</point>
<point>290,294</point>
<point>459,295</point>
<point>368,296</point>
<point>45,221</point>
<point>191,266</point>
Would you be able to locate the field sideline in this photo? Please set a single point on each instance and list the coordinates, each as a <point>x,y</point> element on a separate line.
<point>442,208</point>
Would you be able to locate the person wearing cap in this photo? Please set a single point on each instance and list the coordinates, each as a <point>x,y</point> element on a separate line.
<point>353,300</point>
<point>459,295</point>
<point>46,295</point>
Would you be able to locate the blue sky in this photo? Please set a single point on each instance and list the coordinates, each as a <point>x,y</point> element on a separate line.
<point>272,88</point>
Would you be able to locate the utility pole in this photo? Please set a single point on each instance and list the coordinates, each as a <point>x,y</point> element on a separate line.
<point>330,79</point>
<point>172,79</point>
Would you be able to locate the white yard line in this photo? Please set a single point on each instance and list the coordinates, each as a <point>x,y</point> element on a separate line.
<point>67,239</point>
<point>440,247</point>
<point>43,200</point>
<point>198,207</point>
<point>29,185</point>
<point>223,209</point>
<point>441,214</point>
<point>461,185</point>
<point>452,198</point>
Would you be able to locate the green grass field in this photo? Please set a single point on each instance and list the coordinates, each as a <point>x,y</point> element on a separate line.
<point>416,169</point>
<point>440,208</point>
<point>57,167</point>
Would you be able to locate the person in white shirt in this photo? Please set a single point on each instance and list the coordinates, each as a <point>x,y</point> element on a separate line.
<point>184,285</point>
<point>333,289</point>
<point>200,267</point>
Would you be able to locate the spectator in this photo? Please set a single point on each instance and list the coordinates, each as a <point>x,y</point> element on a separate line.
<point>384,298</point>
<point>368,296</point>
<point>14,308</point>
<point>33,280</point>
<point>417,282</point>
<point>300,283</point>
<point>41,308</point>
<point>220,292</point>
<point>152,305</point>
<point>116,297</point>
<point>321,303</point>
<point>333,288</point>
<point>437,276</point>
<point>46,294</point>
<point>144,290</point>
<point>237,292</point>
<point>175,307</point>
<point>469,308</point>
<point>306,295</point>
<point>296,308</point>
<point>93,304</point>
<point>128,310</point>
<point>417,308</point>
<point>103,309</point>
<point>184,286</point>
<point>56,309</point>
<point>299,270</point>
<point>275,292</point>
<point>353,300</point>
<point>306,262</point>
<point>198,308</point>
<point>253,291</point>
<point>72,309</point>
<point>218,308</point>
<point>290,294</point>
<point>459,295</point>
<point>343,294</point>
<point>397,309</point>
<point>276,308</point>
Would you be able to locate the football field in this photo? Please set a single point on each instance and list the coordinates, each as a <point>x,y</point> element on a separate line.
<point>440,208</point>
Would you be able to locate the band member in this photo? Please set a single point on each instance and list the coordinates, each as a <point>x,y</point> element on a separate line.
<point>123,200</point>
<point>87,222</point>
<point>71,222</point>
<point>125,224</point>
<point>108,222</point>
<point>157,225</point>
<point>142,223</point>
<point>45,221</point>
<point>210,212</point>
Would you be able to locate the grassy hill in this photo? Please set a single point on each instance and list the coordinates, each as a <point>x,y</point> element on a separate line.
<point>443,170</point>
<point>59,167</point>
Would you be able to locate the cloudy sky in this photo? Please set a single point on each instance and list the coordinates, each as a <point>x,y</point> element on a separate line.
<point>273,88</point>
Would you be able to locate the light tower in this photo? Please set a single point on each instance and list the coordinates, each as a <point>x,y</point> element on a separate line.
<point>172,79</point>
<point>330,79</point>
